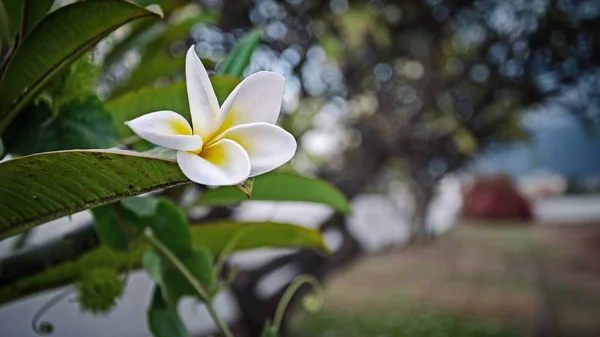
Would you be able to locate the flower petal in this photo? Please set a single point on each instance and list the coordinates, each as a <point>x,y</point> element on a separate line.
<point>223,163</point>
<point>267,145</point>
<point>256,99</point>
<point>201,95</point>
<point>166,128</point>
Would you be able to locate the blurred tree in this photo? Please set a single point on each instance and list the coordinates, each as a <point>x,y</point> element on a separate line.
<point>423,85</point>
<point>427,82</point>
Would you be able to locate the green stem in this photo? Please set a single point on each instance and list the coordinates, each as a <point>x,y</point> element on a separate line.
<point>291,291</point>
<point>173,259</point>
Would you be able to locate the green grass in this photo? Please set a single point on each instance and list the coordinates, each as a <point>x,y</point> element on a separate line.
<point>395,322</point>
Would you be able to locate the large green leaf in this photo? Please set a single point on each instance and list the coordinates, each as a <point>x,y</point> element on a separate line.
<point>54,43</point>
<point>214,237</point>
<point>80,125</point>
<point>239,57</point>
<point>36,11</point>
<point>171,97</point>
<point>42,187</point>
<point>280,187</point>
<point>13,10</point>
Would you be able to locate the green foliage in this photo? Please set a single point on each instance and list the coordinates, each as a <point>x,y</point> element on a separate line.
<point>35,13</point>
<point>214,237</point>
<point>98,290</point>
<point>115,226</point>
<point>79,125</point>
<point>239,57</point>
<point>281,187</point>
<point>141,206</point>
<point>170,226</point>
<point>60,39</point>
<point>50,185</point>
<point>23,18</point>
<point>250,235</point>
<point>118,225</point>
<point>171,97</point>
<point>74,84</point>
<point>163,319</point>
<point>268,332</point>
<point>172,283</point>
<point>13,14</point>
<point>72,271</point>
<point>157,58</point>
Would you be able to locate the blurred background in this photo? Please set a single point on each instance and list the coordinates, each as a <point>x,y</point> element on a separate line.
<point>464,132</point>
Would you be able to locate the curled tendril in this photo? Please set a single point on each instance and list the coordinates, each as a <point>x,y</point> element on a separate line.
<point>44,328</point>
<point>311,302</point>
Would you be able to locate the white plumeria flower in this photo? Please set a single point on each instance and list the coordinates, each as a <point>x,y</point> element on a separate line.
<point>227,144</point>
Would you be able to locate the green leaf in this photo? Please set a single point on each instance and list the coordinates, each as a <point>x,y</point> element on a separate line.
<point>142,206</point>
<point>36,11</point>
<point>42,187</point>
<point>14,14</point>
<point>157,58</point>
<point>55,43</point>
<point>173,285</point>
<point>163,319</point>
<point>253,235</point>
<point>246,187</point>
<point>85,125</point>
<point>115,226</point>
<point>171,97</point>
<point>280,187</point>
<point>74,84</point>
<point>214,237</point>
<point>224,85</point>
<point>170,226</point>
<point>239,57</point>
<point>136,103</point>
<point>269,331</point>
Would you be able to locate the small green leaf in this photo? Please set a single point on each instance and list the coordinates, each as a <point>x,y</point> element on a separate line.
<point>239,57</point>
<point>199,263</point>
<point>56,42</point>
<point>115,226</point>
<point>171,97</point>
<point>246,187</point>
<point>85,125</point>
<point>251,235</point>
<point>142,206</point>
<point>269,331</point>
<point>152,263</point>
<point>163,320</point>
<point>170,226</point>
<point>281,187</point>
<point>49,185</point>
<point>172,283</point>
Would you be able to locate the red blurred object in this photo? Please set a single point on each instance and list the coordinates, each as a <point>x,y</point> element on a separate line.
<point>495,197</point>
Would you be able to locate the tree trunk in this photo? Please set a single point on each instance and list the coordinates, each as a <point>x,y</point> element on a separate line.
<point>420,231</point>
